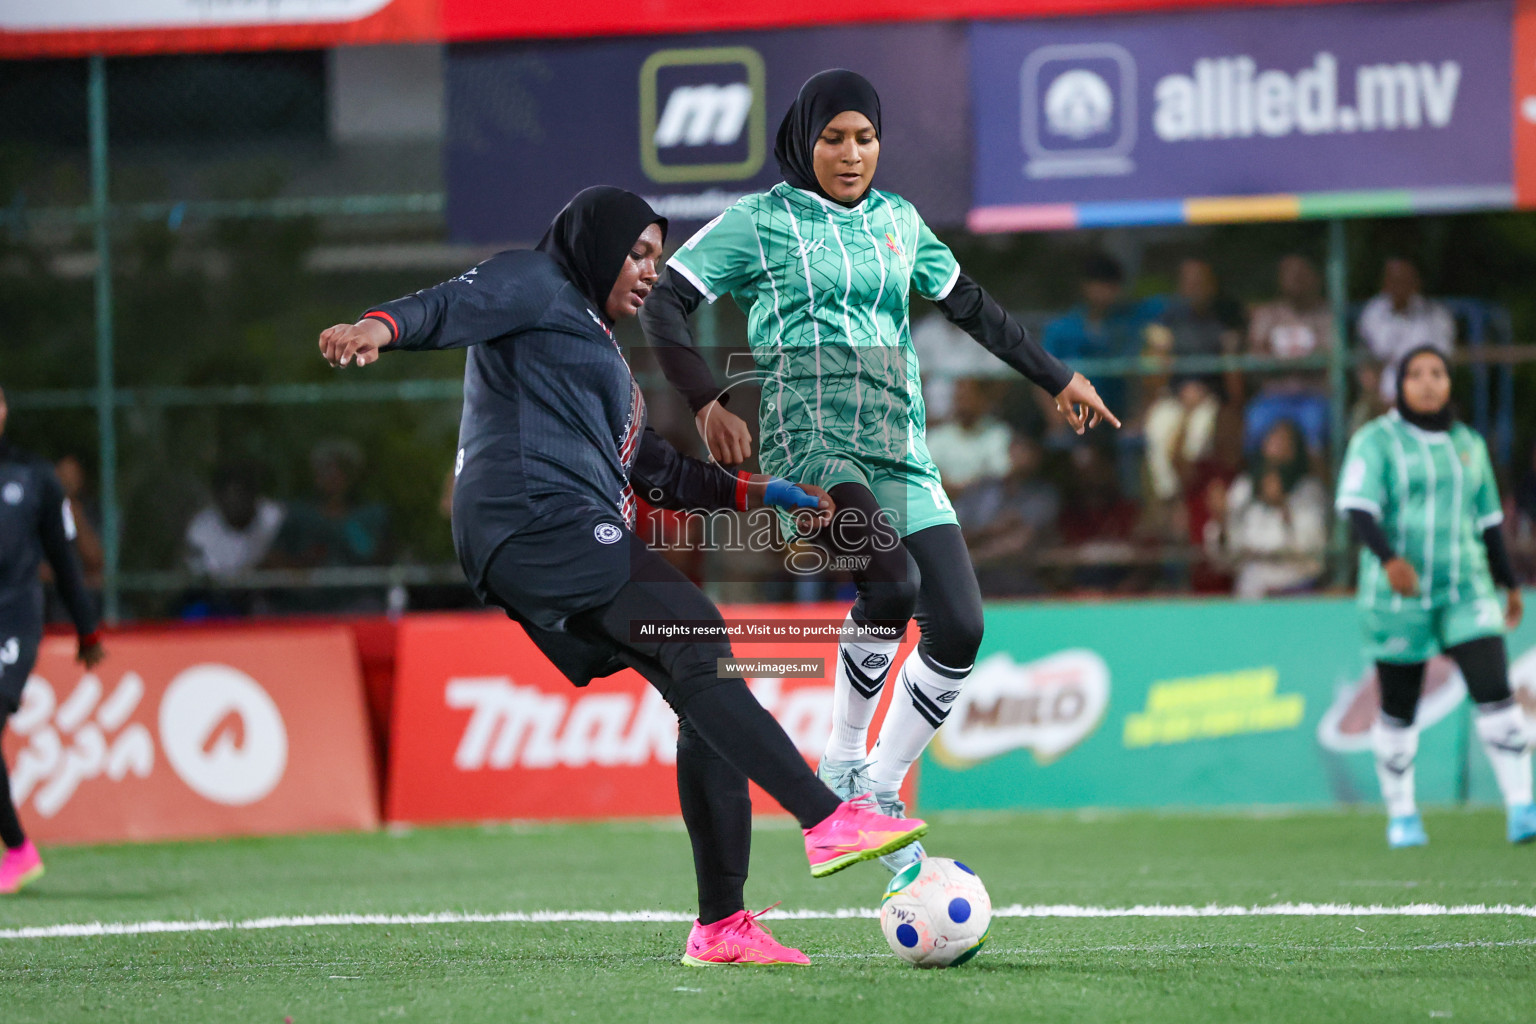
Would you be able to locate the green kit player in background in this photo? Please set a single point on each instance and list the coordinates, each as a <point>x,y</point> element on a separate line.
<point>1420,492</point>
<point>824,265</point>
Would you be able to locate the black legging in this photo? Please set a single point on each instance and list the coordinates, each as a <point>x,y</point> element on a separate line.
<point>11,833</point>
<point>717,810</point>
<point>927,574</point>
<point>1483,663</point>
<point>724,736</point>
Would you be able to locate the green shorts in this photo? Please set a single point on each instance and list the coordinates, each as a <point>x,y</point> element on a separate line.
<point>910,491</point>
<point>1414,633</point>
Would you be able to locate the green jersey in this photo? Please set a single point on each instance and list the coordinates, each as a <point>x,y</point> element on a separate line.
<point>1434,493</point>
<point>826,291</point>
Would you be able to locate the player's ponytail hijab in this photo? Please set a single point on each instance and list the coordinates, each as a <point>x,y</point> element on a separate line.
<point>1440,419</point>
<point>822,97</point>
<point>590,238</point>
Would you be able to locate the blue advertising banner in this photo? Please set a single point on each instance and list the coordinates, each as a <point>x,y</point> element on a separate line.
<point>1124,119</point>
<point>688,121</point>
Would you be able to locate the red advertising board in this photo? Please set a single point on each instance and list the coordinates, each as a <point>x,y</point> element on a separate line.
<point>114,27</point>
<point>1524,120</point>
<point>486,729</point>
<point>180,735</point>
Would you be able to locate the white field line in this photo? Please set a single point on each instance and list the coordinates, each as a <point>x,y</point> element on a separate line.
<point>97,928</point>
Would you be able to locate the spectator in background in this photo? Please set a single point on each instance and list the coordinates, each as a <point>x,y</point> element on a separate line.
<point>1103,326</point>
<point>1205,492</point>
<point>1368,402</point>
<point>1199,321</point>
<point>333,529</point>
<point>1099,525</point>
<point>1271,526</point>
<point>1401,319</point>
<point>1297,325</point>
<point>1004,519</point>
<point>947,355</point>
<point>235,533</point>
<point>973,444</point>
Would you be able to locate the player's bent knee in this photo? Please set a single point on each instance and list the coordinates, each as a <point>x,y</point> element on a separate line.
<point>955,640</point>
<point>892,601</point>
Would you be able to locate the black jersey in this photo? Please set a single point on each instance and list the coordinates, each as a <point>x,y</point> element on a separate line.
<point>552,415</point>
<point>35,523</point>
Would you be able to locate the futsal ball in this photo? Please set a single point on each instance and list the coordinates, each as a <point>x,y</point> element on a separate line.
<point>936,913</point>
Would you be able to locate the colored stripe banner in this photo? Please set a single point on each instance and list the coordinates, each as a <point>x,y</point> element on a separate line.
<point>1234,209</point>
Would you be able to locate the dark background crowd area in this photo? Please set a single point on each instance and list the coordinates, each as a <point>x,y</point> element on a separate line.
<point>253,479</point>
<point>1217,483</point>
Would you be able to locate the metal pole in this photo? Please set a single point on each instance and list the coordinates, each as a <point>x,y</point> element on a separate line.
<point>1338,378</point>
<point>106,419</point>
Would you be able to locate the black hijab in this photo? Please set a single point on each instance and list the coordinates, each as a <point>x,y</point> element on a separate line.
<point>822,97</point>
<point>591,237</point>
<point>1442,418</point>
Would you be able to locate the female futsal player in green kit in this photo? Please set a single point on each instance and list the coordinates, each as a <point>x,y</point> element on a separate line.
<point>824,265</point>
<point>1420,492</point>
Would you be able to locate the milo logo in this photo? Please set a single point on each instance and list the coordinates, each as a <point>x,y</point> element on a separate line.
<point>1346,725</point>
<point>1048,706</point>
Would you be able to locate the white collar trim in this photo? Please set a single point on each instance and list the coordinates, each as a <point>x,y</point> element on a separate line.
<point>847,211</point>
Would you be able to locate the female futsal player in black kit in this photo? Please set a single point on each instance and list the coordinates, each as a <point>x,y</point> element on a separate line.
<point>35,523</point>
<point>552,449</point>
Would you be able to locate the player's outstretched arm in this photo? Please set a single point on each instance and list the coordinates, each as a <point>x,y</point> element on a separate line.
<point>344,344</point>
<point>667,478</point>
<point>1080,405</point>
<point>503,295</point>
<point>968,306</point>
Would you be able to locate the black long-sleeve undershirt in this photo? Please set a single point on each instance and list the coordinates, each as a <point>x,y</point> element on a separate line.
<point>970,308</point>
<point>664,318</point>
<point>665,314</point>
<point>1368,531</point>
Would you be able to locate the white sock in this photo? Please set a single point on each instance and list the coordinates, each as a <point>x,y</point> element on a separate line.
<point>863,665</point>
<point>1395,745</point>
<point>927,694</point>
<point>1506,740</point>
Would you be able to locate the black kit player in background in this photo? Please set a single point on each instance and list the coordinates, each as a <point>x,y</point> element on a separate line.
<point>552,449</point>
<point>35,523</point>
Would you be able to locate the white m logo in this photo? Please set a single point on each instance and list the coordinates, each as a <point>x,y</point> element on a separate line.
<point>696,114</point>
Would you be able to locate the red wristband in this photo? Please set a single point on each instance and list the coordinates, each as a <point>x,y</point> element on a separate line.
<point>90,639</point>
<point>386,319</point>
<point>742,479</point>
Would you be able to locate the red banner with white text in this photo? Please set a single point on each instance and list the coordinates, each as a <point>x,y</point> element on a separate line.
<point>178,735</point>
<point>486,729</point>
<point>121,27</point>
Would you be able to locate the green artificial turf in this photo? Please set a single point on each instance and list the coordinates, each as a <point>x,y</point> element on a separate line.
<point>1313,969</point>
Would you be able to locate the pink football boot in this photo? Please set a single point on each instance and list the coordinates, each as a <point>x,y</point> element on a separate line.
<point>857,831</point>
<point>738,939</point>
<point>20,866</point>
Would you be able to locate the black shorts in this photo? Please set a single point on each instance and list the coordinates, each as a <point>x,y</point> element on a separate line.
<point>564,563</point>
<point>561,564</point>
<point>580,561</point>
<point>18,655</point>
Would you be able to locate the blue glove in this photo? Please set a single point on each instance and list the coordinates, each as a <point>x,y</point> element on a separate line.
<point>783,494</point>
